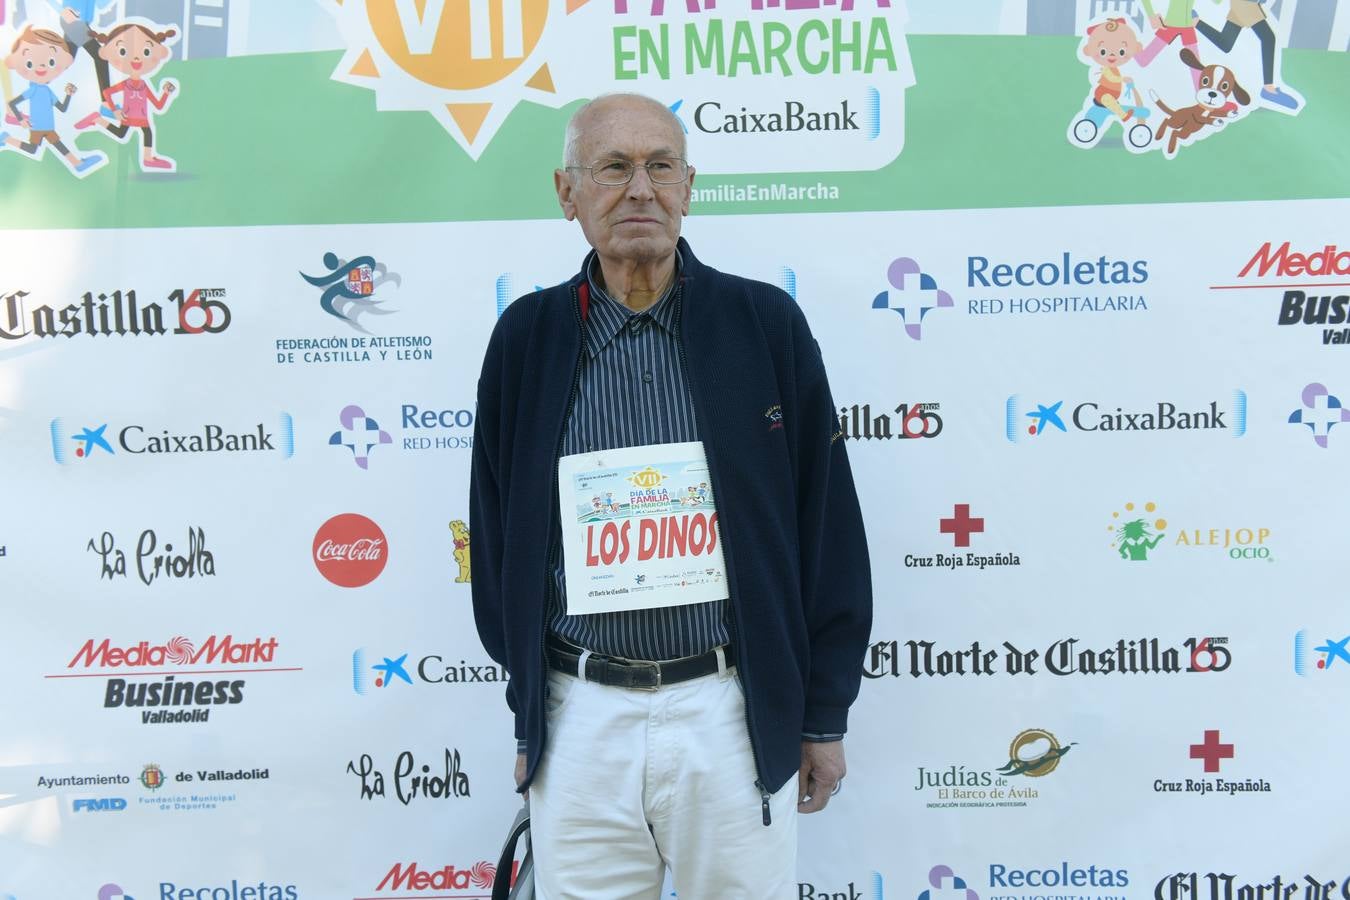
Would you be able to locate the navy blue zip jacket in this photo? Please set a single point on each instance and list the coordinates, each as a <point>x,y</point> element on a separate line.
<point>797,565</point>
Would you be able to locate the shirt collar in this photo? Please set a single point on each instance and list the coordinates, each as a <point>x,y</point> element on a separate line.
<point>608,316</point>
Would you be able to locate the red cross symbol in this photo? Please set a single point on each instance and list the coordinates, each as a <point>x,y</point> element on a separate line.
<point>1211,751</point>
<point>961,525</point>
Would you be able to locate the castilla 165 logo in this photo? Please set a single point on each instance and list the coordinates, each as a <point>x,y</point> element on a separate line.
<point>118,314</point>
<point>350,550</point>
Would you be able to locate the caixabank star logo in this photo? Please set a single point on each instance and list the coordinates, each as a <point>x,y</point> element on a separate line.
<point>797,83</point>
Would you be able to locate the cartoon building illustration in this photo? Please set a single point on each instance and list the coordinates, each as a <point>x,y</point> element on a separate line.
<point>205,25</point>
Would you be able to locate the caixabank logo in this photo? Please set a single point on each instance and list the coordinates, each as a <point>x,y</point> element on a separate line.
<point>119,314</point>
<point>1037,420</point>
<point>796,83</point>
<point>1308,289</point>
<point>375,673</point>
<point>1321,659</point>
<point>351,294</point>
<point>161,680</point>
<point>869,887</point>
<point>1065,657</point>
<point>94,440</point>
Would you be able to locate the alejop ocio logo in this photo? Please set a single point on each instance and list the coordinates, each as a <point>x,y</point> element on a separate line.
<point>350,550</point>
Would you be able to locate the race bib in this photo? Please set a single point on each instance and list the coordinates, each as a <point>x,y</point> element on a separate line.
<point>640,529</point>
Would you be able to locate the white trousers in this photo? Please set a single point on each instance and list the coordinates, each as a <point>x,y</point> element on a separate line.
<point>634,781</point>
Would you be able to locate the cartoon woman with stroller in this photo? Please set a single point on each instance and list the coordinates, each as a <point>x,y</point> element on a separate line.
<point>1110,45</point>
<point>137,52</point>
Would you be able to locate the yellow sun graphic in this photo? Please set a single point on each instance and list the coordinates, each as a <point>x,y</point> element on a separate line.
<point>466,62</point>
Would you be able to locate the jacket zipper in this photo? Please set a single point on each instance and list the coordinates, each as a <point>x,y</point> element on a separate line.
<point>735,609</point>
<point>550,564</point>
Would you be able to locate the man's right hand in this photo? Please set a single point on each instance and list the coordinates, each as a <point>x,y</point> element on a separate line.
<point>520,771</point>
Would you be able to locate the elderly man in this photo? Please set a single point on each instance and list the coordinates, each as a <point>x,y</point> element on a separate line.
<point>662,714</point>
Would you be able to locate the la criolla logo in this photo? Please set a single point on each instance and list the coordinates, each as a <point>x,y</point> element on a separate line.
<point>350,550</point>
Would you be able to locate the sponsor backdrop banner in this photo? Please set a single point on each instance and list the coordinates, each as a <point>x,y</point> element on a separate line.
<point>1080,273</point>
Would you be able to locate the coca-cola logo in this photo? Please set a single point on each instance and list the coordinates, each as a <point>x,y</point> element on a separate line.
<point>350,550</point>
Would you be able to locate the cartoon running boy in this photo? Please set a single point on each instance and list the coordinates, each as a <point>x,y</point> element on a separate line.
<point>40,57</point>
<point>137,52</point>
<point>1111,44</point>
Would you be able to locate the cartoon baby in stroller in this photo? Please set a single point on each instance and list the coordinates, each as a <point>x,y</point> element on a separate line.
<point>1109,45</point>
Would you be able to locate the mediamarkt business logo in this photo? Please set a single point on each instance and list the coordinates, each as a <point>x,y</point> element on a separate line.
<point>1319,304</point>
<point>171,701</point>
<point>410,877</point>
<point>119,314</point>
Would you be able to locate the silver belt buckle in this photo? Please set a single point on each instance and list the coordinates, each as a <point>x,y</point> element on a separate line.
<point>655,667</point>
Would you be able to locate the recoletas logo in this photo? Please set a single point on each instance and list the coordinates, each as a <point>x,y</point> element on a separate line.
<point>1064,284</point>
<point>137,440</point>
<point>150,676</point>
<point>1321,411</point>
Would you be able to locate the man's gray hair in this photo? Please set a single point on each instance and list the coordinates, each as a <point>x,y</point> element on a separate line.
<point>572,139</point>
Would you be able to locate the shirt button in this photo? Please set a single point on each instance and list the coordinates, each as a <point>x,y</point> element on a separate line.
<point>647,377</point>
<point>636,325</point>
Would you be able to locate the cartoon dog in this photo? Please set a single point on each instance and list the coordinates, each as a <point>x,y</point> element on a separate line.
<point>460,532</point>
<point>1214,103</point>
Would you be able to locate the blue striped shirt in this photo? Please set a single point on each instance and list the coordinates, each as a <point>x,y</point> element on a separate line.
<point>633,393</point>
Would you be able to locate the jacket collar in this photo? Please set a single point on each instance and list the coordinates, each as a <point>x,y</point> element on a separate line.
<point>606,317</point>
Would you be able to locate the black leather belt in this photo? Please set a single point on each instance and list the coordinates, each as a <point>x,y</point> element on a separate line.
<point>634,674</point>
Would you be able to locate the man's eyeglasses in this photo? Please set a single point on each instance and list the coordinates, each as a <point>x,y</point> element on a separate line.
<point>663,170</point>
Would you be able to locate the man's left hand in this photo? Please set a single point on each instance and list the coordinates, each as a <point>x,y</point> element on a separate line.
<point>822,770</point>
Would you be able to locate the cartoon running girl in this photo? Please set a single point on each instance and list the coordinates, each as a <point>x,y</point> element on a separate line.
<point>134,50</point>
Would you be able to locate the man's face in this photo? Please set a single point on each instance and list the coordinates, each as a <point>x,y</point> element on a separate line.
<point>39,62</point>
<point>639,220</point>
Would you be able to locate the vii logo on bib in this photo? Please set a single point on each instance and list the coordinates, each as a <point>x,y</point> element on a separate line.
<point>640,529</point>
